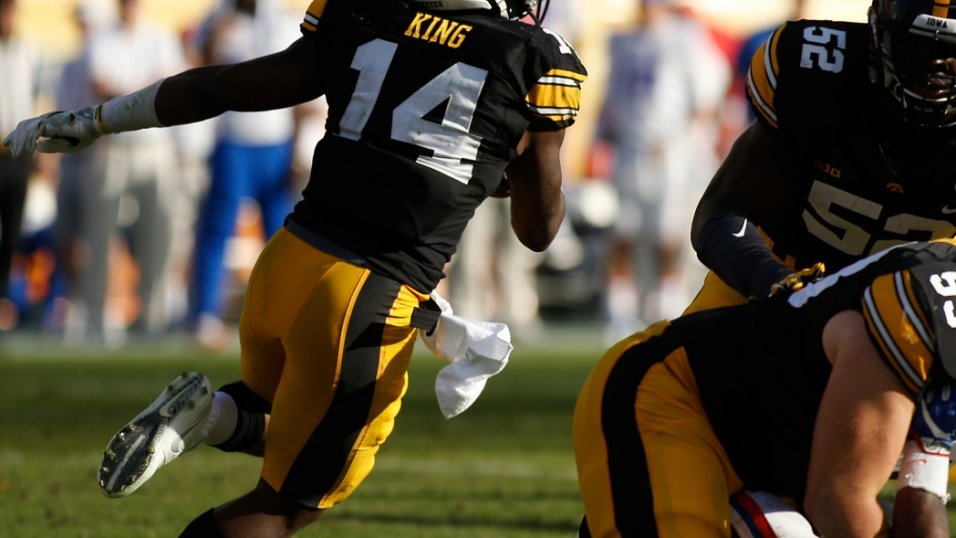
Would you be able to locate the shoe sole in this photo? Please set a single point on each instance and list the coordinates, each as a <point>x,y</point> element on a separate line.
<point>129,453</point>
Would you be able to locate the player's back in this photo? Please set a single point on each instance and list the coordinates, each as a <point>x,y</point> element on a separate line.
<point>425,112</point>
<point>762,364</point>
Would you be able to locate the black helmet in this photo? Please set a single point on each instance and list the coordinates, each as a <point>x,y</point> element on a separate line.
<point>509,9</point>
<point>914,58</point>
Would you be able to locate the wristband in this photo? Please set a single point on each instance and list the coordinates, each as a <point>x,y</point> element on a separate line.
<point>130,112</point>
<point>925,469</point>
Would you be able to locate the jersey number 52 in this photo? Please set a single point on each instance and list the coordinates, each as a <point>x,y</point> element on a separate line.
<point>823,221</point>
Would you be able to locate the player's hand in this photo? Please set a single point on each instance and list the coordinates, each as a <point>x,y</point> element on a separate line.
<point>54,132</point>
<point>935,419</point>
<point>796,280</point>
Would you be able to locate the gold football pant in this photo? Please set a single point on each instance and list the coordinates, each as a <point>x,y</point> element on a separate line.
<point>714,293</point>
<point>327,343</point>
<point>648,461</point>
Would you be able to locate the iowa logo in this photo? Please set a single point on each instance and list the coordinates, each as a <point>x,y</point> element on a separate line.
<point>929,23</point>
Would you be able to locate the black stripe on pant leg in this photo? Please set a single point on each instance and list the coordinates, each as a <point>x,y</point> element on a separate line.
<point>631,491</point>
<point>320,463</point>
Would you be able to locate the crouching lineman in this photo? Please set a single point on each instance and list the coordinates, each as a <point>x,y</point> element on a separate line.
<point>808,395</point>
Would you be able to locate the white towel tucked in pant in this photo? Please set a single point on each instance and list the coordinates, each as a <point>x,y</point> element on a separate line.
<point>476,350</point>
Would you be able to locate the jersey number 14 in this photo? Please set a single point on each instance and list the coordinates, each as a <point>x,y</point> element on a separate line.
<point>450,141</point>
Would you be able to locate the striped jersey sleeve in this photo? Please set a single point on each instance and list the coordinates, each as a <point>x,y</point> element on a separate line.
<point>762,79</point>
<point>556,96</point>
<point>900,328</point>
<point>310,22</point>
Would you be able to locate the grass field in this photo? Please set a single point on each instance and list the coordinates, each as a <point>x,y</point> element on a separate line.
<point>503,469</point>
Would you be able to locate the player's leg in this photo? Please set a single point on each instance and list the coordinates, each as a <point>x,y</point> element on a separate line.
<point>347,343</point>
<point>14,177</point>
<point>187,413</point>
<point>273,188</point>
<point>714,293</point>
<point>170,425</point>
<point>229,182</point>
<point>648,462</point>
<point>152,234</point>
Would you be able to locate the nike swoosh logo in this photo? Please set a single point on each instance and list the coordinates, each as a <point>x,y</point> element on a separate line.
<point>948,210</point>
<point>743,228</point>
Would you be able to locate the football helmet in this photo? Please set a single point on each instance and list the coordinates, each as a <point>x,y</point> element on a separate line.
<point>913,52</point>
<point>509,9</point>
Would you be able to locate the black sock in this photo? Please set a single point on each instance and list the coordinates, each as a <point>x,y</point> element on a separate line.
<point>204,526</point>
<point>247,437</point>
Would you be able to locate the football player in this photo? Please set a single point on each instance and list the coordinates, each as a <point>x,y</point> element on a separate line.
<point>679,417</point>
<point>852,151</point>
<point>430,103</point>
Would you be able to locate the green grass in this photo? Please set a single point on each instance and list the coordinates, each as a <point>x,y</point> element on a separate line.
<point>503,469</point>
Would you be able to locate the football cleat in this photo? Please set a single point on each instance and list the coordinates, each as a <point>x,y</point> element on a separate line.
<point>174,423</point>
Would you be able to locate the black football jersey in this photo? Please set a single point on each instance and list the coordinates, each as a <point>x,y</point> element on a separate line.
<point>810,84</point>
<point>425,111</point>
<point>762,365</point>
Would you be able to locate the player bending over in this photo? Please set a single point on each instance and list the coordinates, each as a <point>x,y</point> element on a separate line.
<point>809,395</point>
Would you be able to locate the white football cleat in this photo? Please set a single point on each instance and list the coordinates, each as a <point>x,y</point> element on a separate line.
<point>171,425</point>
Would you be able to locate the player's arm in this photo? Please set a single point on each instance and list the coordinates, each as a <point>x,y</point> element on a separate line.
<point>286,78</point>
<point>923,478</point>
<point>537,202</point>
<point>918,512</point>
<point>748,188</point>
<point>279,80</point>
<point>861,426</point>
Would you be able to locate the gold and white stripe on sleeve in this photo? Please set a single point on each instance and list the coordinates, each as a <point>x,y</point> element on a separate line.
<point>900,328</point>
<point>557,96</point>
<point>762,78</point>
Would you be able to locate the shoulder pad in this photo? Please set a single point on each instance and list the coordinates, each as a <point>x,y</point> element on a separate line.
<point>936,283</point>
<point>803,60</point>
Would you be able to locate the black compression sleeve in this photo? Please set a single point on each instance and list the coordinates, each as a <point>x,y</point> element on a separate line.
<point>730,245</point>
<point>204,526</point>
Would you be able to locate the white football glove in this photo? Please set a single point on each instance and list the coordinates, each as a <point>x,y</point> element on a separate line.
<point>60,132</point>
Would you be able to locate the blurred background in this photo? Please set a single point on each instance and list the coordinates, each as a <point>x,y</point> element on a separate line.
<point>585,23</point>
<point>152,234</point>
